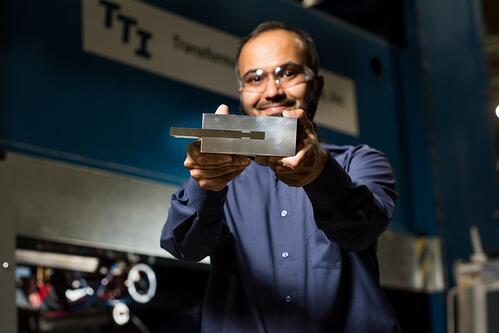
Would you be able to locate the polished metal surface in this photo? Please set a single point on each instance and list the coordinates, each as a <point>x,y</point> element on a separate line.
<point>280,135</point>
<point>84,206</point>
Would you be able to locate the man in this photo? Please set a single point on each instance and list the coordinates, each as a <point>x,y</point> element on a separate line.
<point>292,240</point>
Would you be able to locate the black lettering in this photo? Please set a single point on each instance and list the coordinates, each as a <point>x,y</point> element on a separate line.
<point>144,38</point>
<point>201,52</point>
<point>110,8</point>
<point>127,23</point>
<point>177,41</point>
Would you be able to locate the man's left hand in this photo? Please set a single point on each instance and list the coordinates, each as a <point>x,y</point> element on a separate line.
<point>309,161</point>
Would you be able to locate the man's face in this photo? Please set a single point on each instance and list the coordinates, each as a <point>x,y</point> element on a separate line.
<point>267,51</point>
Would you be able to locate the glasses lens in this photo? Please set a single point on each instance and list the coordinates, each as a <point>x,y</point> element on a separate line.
<point>290,75</point>
<point>255,81</point>
<point>286,76</point>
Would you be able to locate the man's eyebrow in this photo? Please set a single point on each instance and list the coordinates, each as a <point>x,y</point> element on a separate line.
<point>289,63</point>
<point>250,72</point>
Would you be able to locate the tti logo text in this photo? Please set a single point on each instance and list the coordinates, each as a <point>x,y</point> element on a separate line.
<point>129,25</point>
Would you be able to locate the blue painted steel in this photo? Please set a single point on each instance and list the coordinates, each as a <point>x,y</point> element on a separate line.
<point>461,123</point>
<point>461,129</point>
<point>450,139</point>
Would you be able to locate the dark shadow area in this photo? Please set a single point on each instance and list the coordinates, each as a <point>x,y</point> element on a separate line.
<point>412,310</point>
<point>174,308</point>
<point>383,18</point>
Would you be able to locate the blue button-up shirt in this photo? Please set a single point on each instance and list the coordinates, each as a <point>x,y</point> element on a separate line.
<point>290,259</point>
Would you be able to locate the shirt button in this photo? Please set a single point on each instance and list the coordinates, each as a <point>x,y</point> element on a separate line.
<point>287,299</point>
<point>285,254</point>
<point>284,213</point>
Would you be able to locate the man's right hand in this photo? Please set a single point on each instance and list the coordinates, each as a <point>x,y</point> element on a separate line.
<point>214,171</point>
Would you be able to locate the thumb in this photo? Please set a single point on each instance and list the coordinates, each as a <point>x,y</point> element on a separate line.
<point>222,109</point>
<point>300,115</point>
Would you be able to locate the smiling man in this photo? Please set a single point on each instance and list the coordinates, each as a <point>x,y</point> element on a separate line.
<point>292,240</point>
<point>270,86</point>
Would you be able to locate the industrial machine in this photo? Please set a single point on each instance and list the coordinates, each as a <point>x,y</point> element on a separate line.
<point>91,88</point>
<point>476,294</point>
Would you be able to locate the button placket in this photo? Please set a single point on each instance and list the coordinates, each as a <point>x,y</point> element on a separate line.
<point>285,254</point>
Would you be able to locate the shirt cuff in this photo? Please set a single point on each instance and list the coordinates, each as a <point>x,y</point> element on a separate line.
<point>204,201</point>
<point>330,185</point>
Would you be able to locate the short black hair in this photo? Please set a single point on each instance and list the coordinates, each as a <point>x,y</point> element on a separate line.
<point>312,55</point>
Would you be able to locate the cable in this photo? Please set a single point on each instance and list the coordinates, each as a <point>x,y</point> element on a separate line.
<point>139,324</point>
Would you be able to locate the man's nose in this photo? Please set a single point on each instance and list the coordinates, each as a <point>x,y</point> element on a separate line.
<point>273,89</point>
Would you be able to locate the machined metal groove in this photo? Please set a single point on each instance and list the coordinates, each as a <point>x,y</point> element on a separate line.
<point>180,132</point>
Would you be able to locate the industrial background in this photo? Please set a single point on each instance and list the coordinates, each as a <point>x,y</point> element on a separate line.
<point>90,88</point>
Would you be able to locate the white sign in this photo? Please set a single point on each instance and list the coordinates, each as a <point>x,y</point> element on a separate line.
<point>155,40</point>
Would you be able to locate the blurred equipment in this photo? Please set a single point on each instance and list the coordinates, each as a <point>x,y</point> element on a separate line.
<point>141,283</point>
<point>59,292</point>
<point>121,313</point>
<point>477,293</point>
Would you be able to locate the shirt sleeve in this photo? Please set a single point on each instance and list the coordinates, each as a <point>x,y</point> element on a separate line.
<point>195,222</point>
<point>353,208</point>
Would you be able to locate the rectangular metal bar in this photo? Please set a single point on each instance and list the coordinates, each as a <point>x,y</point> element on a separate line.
<point>243,135</point>
<point>280,135</point>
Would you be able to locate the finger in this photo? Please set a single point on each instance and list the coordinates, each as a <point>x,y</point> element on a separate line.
<point>294,162</point>
<point>290,113</point>
<point>192,164</point>
<point>275,160</point>
<point>240,159</point>
<point>233,175</point>
<point>281,171</point>
<point>217,184</point>
<point>299,114</point>
<point>304,123</point>
<point>206,162</point>
<point>194,153</point>
<point>194,148</point>
<point>214,161</point>
<point>199,174</point>
<point>222,109</point>
<point>263,160</point>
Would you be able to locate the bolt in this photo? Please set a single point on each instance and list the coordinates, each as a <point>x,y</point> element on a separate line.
<point>5,265</point>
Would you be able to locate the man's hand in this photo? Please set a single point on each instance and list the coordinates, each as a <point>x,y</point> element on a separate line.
<point>214,171</point>
<point>309,161</point>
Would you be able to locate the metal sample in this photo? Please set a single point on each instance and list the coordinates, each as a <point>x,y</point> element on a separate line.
<point>244,135</point>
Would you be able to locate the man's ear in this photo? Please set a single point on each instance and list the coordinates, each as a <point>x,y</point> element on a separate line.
<point>319,82</point>
<point>313,98</point>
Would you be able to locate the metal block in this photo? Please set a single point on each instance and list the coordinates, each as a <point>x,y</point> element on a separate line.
<point>244,135</point>
<point>84,206</point>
